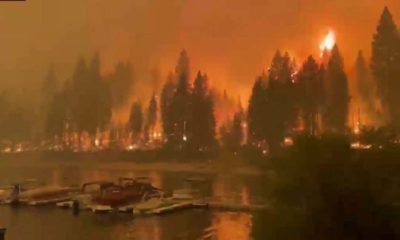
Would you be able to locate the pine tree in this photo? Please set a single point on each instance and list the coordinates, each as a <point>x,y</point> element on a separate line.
<point>151,119</point>
<point>49,87</point>
<point>272,107</point>
<point>135,123</point>
<point>337,94</point>
<point>15,120</point>
<point>309,88</point>
<point>280,101</point>
<point>365,84</point>
<point>121,84</point>
<point>104,102</point>
<point>231,133</point>
<point>182,72</point>
<point>237,131</point>
<point>98,99</point>
<point>57,116</point>
<point>179,109</point>
<point>202,115</point>
<point>90,99</point>
<point>385,65</point>
<point>80,97</point>
<point>167,94</point>
<point>47,93</point>
<point>257,111</point>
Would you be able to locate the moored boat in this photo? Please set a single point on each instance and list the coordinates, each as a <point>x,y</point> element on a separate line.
<point>30,192</point>
<point>46,195</point>
<point>83,199</point>
<point>128,191</point>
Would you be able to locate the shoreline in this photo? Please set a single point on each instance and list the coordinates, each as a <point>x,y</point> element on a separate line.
<point>225,164</point>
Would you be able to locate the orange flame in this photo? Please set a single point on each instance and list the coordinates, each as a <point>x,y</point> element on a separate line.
<point>329,41</point>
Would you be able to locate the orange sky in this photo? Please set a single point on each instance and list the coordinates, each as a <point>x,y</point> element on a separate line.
<point>232,40</point>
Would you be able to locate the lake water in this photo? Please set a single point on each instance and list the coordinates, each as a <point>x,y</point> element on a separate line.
<point>50,223</point>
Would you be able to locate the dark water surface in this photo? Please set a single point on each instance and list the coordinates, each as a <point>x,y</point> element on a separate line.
<point>50,223</point>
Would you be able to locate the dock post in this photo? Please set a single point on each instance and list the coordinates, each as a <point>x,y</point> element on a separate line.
<point>2,233</point>
<point>75,207</point>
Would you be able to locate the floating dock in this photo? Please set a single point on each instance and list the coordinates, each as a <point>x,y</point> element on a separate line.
<point>157,206</point>
<point>171,208</point>
<point>238,207</point>
<point>212,205</point>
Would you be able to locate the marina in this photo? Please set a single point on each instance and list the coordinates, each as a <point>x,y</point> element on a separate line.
<point>164,210</point>
<point>135,196</point>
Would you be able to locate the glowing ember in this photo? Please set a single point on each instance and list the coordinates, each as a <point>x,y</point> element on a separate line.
<point>329,41</point>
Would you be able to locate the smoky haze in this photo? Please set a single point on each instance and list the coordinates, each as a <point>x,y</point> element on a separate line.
<point>231,40</point>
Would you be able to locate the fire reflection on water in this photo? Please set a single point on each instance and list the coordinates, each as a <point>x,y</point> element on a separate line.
<point>213,225</point>
<point>245,197</point>
<point>232,226</point>
<point>226,189</point>
<point>96,175</point>
<point>149,228</point>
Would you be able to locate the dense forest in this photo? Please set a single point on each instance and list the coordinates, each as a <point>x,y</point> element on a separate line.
<point>287,99</point>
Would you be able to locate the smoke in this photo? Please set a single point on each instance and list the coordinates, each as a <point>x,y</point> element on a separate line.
<point>231,40</point>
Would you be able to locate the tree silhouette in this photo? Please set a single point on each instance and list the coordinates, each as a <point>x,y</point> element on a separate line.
<point>121,83</point>
<point>281,100</point>
<point>272,106</point>
<point>385,65</point>
<point>151,119</point>
<point>365,85</point>
<point>90,99</point>
<point>232,133</point>
<point>80,97</point>
<point>257,111</point>
<point>135,123</point>
<point>337,94</point>
<point>179,109</point>
<point>47,93</point>
<point>167,94</point>
<point>202,115</point>
<point>49,87</point>
<point>309,85</point>
<point>15,120</point>
<point>57,116</point>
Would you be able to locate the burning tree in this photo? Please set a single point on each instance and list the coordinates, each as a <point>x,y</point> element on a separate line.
<point>151,118</point>
<point>187,112</point>
<point>135,123</point>
<point>83,107</point>
<point>121,82</point>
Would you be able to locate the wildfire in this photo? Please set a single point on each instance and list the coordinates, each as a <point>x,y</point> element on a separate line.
<point>329,41</point>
